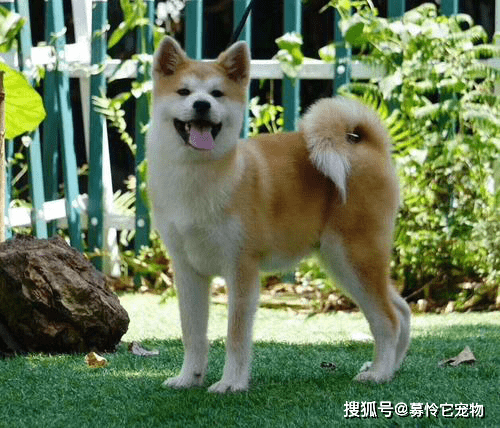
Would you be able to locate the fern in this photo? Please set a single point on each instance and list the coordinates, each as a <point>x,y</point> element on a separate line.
<point>111,109</point>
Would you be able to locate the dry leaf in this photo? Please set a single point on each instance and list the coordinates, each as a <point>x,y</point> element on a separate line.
<point>136,349</point>
<point>466,356</point>
<point>93,360</point>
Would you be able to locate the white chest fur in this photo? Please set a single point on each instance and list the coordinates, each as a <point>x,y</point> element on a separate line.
<point>190,214</point>
<point>209,248</point>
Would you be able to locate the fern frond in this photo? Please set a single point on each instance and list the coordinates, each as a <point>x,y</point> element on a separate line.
<point>408,142</point>
<point>479,115</point>
<point>480,71</point>
<point>471,54</point>
<point>429,111</point>
<point>419,73</point>
<point>475,34</point>
<point>480,97</point>
<point>124,202</point>
<point>420,13</point>
<point>462,18</point>
<point>424,87</point>
<point>361,88</point>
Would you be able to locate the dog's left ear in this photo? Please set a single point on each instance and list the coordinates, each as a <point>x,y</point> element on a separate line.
<point>236,62</point>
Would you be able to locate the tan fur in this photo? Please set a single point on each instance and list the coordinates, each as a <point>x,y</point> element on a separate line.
<point>266,203</point>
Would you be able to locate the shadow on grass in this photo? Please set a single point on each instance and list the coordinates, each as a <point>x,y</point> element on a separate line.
<point>289,388</point>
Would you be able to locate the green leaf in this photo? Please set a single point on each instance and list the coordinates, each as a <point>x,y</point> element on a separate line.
<point>327,53</point>
<point>292,43</point>
<point>389,83</point>
<point>24,109</point>
<point>118,34</point>
<point>419,155</point>
<point>354,32</point>
<point>134,17</point>
<point>10,26</point>
<point>127,8</point>
<point>290,54</point>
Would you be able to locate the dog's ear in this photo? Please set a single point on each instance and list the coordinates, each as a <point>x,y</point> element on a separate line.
<point>168,57</point>
<point>236,62</point>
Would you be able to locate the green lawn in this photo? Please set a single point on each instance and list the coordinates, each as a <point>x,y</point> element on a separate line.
<point>289,388</point>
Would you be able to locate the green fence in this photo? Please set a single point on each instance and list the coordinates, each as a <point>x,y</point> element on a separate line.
<point>56,155</point>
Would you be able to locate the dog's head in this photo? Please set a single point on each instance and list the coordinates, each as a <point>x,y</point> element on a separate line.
<point>198,106</point>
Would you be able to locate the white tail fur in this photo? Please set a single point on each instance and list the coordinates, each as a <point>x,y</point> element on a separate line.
<point>329,127</point>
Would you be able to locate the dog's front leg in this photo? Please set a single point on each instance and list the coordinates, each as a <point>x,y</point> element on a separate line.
<point>243,288</point>
<point>193,292</point>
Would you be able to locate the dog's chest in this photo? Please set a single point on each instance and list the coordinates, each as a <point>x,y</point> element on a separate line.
<point>209,248</point>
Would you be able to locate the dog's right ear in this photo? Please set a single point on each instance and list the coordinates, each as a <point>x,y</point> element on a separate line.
<point>168,57</point>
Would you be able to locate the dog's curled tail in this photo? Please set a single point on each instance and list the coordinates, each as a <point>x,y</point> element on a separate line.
<point>335,129</point>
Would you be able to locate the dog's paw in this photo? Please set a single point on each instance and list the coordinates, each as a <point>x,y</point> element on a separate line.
<point>366,374</point>
<point>183,381</point>
<point>365,367</point>
<point>222,387</point>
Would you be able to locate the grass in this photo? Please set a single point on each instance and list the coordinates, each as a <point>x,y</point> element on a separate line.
<point>289,388</point>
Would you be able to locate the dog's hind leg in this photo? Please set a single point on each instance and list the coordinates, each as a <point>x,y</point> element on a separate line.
<point>363,271</point>
<point>404,315</point>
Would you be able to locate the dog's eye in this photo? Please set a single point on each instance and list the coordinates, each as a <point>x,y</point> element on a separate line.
<point>184,92</point>
<point>216,93</point>
<point>353,137</point>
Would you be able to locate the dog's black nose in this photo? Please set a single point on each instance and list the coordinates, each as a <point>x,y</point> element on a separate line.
<point>201,107</point>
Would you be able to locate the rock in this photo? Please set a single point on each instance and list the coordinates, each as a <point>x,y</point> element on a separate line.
<point>53,300</point>
<point>450,307</point>
<point>218,285</point>
<point>422,305</point>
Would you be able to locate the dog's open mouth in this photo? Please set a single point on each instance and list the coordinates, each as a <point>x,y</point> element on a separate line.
<point>199,134</point>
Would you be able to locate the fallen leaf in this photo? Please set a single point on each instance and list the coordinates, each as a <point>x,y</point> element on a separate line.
<point>466,356</point>
<point>94,360</point>
<point>136,349</point>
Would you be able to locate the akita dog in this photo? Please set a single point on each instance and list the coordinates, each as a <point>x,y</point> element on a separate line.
<point>229,207</point>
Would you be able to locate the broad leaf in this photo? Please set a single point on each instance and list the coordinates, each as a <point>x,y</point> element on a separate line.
<point>24,109</point>
<point>354,32</point>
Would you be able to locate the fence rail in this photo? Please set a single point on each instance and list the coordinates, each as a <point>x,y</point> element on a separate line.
<point>76,61</point>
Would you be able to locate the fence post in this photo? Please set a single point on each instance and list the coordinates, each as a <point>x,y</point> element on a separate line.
<point>449,7</point>
<point>239,7</point>
<point>396,8</point>
<point>497,17</point>
<point>82,19</point>
<point>142,218</point>
<point>291,87</point>
<point>194,29</point>
<point>342,57</point>
<point>448,125</point>
<point>8,153</point>
<point>34,150</point>
<point>64,123</point>
<point>2,157</point>
<point>50,141</point>
<point>97,124</point>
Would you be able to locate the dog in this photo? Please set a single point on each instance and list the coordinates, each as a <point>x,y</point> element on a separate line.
<point>231,208</point>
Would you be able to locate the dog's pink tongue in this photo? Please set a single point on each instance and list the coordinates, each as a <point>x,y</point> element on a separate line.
<point>201,138</point>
